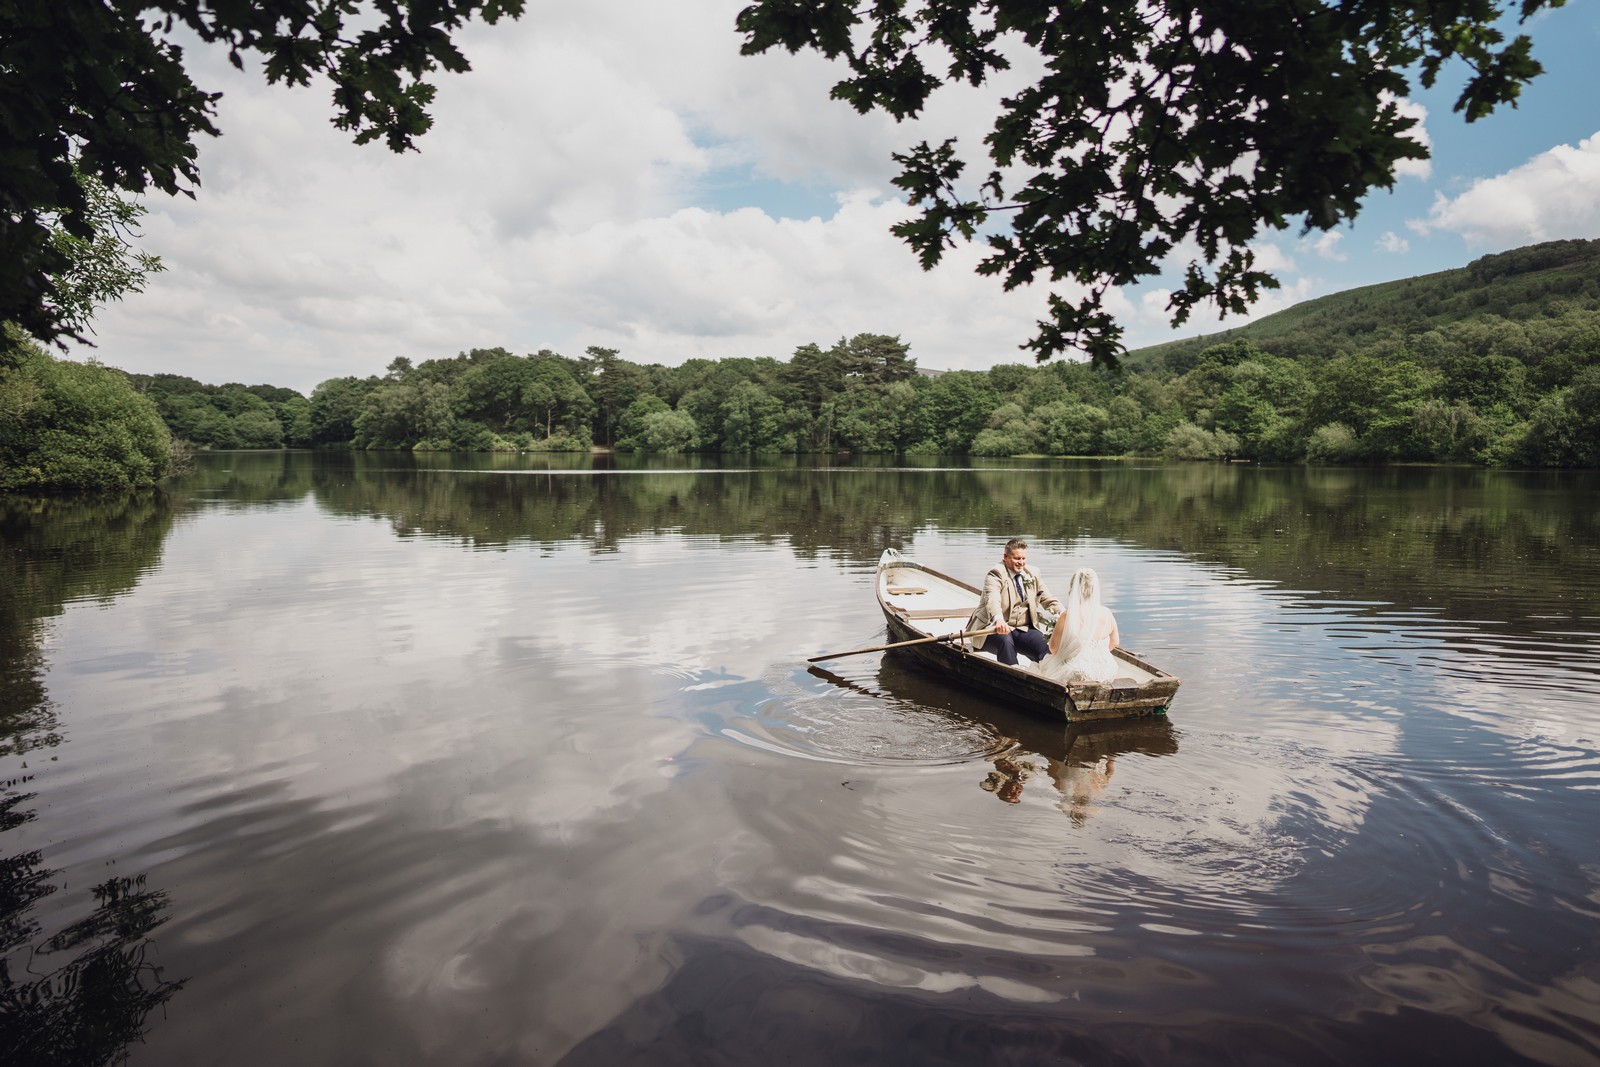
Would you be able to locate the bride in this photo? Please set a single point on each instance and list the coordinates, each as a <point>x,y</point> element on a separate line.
<point>1085,634</point>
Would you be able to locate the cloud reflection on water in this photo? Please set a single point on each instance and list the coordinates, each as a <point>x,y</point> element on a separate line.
<point>446,799</point>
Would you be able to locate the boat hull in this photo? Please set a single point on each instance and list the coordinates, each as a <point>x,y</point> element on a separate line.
<point>1146,691</point>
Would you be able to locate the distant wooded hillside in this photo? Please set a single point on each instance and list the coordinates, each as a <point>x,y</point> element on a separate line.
<point>1495,363</point>
<point>1531,304</point>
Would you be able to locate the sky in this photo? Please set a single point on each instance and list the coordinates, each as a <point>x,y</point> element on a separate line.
<point>616,174</point>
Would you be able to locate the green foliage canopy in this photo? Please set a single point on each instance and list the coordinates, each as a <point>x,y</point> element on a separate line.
<point>1484,389</point>
<point>66,425</point>
<point>670,431</point>
<point>104,266</point>
<point>99,88</point>
<point>1153,127</point>
<point>231,415</point>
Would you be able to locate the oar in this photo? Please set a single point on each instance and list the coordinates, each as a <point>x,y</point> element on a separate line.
<point>902,644</point>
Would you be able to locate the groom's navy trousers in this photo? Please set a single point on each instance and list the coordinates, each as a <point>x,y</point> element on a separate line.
<point>1030,643</point>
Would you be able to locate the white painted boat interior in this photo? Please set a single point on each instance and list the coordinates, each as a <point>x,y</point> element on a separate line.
<point>931,604</point>
<point>937,607</point>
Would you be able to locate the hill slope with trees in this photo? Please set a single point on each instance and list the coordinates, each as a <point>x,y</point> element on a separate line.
<point>1495,363</point>
<point>1534,301</point>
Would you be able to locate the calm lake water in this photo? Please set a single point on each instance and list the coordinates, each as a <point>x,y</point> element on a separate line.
<point>467,760</point>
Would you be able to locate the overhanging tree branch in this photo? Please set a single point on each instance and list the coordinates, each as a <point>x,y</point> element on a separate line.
<point>99,88</point>
<point>1157,125</point>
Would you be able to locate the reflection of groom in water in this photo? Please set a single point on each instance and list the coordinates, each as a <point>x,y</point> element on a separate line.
<point>1014,602</point>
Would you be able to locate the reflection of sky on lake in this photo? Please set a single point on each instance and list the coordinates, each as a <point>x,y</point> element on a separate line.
<point>1283,778</point>
<point>484,801</point>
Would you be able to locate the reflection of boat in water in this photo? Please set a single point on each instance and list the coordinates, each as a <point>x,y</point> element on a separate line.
<point>920,603</point>
<point>1078,759</point>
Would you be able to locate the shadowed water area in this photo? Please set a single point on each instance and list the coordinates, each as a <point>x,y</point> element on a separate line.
<point>374,759</point>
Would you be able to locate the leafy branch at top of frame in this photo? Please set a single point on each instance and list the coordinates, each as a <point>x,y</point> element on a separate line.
<point>1154,126</point>
<point>100,88</point>
<point>377,74</point>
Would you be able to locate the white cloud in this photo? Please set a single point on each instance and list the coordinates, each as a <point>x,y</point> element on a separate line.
<point>595,179</point>
<point>1327,246</point>
<point>1393,242</point>
<point>1555,194</point>
<point>560,201</point>
<point>1272,258</point>
<point>1415,168</point>
<point>1153,305</point>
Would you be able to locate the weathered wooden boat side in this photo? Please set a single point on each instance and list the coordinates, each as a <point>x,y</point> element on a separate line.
<point>919,602</point>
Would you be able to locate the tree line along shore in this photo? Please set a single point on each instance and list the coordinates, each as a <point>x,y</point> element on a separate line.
<point>1496,364</point>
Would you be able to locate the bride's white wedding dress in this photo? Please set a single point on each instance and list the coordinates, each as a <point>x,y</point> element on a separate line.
<point>1092,661</point>
<point>1082,639</point>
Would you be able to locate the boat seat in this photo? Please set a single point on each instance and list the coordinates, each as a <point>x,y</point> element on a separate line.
<point>933,613</point>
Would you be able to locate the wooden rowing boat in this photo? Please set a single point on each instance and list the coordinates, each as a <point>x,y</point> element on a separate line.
<point>919,603</point>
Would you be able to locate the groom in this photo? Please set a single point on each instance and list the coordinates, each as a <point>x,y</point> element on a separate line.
<point>1014,600</point>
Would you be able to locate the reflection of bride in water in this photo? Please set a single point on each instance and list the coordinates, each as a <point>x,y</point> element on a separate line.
<point>1078,759</point>
<point>1079,763</point>
<point>1080,784</point>
<point>1084,635</point>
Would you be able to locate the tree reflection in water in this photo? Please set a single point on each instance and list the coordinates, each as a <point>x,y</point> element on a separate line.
<point>81,995</point>
<point>1379,537</point>
<point>78,976</point>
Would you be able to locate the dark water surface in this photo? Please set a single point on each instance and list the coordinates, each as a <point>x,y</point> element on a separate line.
<point>374,760</point>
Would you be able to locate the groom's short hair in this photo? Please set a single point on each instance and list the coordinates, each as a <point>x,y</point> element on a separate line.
<point>1014,544</point>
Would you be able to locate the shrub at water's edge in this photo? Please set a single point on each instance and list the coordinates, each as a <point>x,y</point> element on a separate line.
<point>66,426</point>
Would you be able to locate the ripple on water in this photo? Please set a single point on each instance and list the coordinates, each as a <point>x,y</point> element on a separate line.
<point>848,717</point>
<point>1204,861</point>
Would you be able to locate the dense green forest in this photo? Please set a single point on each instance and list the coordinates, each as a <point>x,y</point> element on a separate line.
<point>1494,363</point>
<point>74,425</point>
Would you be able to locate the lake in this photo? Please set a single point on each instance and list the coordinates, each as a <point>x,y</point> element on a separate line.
<point>375,759</point>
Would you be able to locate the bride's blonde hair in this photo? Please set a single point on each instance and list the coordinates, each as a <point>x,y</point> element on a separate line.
<point>1084,588</point>
<point>1080,611</point>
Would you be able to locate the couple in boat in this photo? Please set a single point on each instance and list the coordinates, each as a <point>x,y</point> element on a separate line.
<point>1015,602</point>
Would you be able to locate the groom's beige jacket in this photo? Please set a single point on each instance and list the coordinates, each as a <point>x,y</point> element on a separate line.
<point>1000,599</point>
